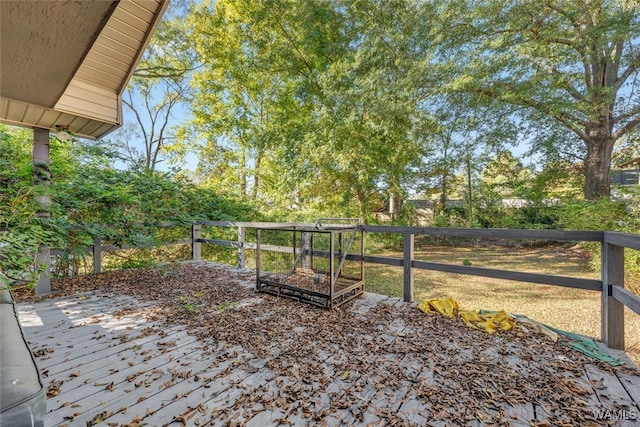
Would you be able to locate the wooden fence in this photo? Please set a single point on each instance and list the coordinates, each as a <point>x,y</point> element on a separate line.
<point>611,285</point>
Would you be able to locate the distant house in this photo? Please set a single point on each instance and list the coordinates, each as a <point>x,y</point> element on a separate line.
<point>629,173</point>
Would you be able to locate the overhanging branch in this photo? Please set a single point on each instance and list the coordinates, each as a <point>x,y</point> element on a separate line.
<point>632,68</point>
<point>626,128</point>
<point>565,118</point>
<point>627,115</point>
<point>163,72</point>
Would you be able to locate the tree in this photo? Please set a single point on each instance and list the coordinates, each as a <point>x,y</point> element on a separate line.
<point>468,132</point>
<point>558,179</point>
<point>160,85</point>
<point>247,103</point>
<point>318,99</point>
<point>374,97</point>
<point>153,102</point>
<point>505,177</point>
<point>574,62</point>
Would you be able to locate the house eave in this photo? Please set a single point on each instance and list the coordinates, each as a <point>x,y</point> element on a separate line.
<point>54,79</point>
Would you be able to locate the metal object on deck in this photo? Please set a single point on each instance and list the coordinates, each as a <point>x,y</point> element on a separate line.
<point>321,264</point>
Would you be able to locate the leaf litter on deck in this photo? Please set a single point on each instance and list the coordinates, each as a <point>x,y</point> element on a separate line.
<point>390,364</point>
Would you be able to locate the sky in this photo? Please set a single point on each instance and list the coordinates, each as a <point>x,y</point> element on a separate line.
<point>181,115</point>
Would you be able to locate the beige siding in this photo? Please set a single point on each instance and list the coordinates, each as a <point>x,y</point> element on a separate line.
<point>87,100</point>
<point>121,39</point>
<point>98,77</point>
<point>90,105</point>
<point>32,115</point>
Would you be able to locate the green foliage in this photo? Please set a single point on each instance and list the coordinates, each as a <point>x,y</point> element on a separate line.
<point>602,214</point>
<point>531,216</point>
<point>289,101</point>
<point>573,63</point>
<point>188,304</point>
<point>308,107</point>
<point>558,180</point>
<point>18,249</point>
<point>124,207</point>
<point>451,217</point>
<point>21,232</point>
<point>90,199</point>
<point>627,149</point>
<point>505,177</point>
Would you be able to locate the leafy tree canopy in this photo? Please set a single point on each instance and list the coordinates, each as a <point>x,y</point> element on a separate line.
<point>573,62</point>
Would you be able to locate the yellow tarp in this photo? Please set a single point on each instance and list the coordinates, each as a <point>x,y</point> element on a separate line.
<point>444,306</point>
<point>491,321</point>
<point>449,307</point>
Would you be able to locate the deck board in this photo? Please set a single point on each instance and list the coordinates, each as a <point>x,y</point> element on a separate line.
<point>609,389</point>
<point>125,371</point>
<point>112,365</point>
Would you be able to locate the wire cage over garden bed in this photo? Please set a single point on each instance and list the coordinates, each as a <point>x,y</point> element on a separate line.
<point>321,265</point>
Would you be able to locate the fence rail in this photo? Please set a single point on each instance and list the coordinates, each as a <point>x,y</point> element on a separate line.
<point>611,285</point>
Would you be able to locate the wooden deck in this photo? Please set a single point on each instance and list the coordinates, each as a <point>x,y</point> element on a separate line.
<point>108,361</point>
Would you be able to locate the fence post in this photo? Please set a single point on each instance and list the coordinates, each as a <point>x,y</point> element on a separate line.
<point>407,270</point>
<point>362,254</point>
<point>196,246</point>
<point>612,311</point>
<point>43,258</point>
<point>97,254</point>
<point>241,254</point>
<point>258,259</point>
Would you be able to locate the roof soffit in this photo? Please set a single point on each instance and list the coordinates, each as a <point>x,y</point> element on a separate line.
<point>42,45</point>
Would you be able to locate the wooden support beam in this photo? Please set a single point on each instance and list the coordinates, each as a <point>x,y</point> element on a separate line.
<point>361,255</point>
<point>42,179</point>
<point>97,254</point>
<point>258,259</point>
<point>612,310</point>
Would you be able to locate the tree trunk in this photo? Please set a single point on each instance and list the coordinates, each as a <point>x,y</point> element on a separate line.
<point>394,205</point>
<point>469,192</point>
<point>444,197</point>
<point>362,202</point>
<point>256,176</point>
<point>42,178</point>
<point>597,166</point>
<point>243,172</point>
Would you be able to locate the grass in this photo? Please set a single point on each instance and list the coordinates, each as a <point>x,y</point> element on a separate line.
<point>188,304</point>
<point>569,309</point>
